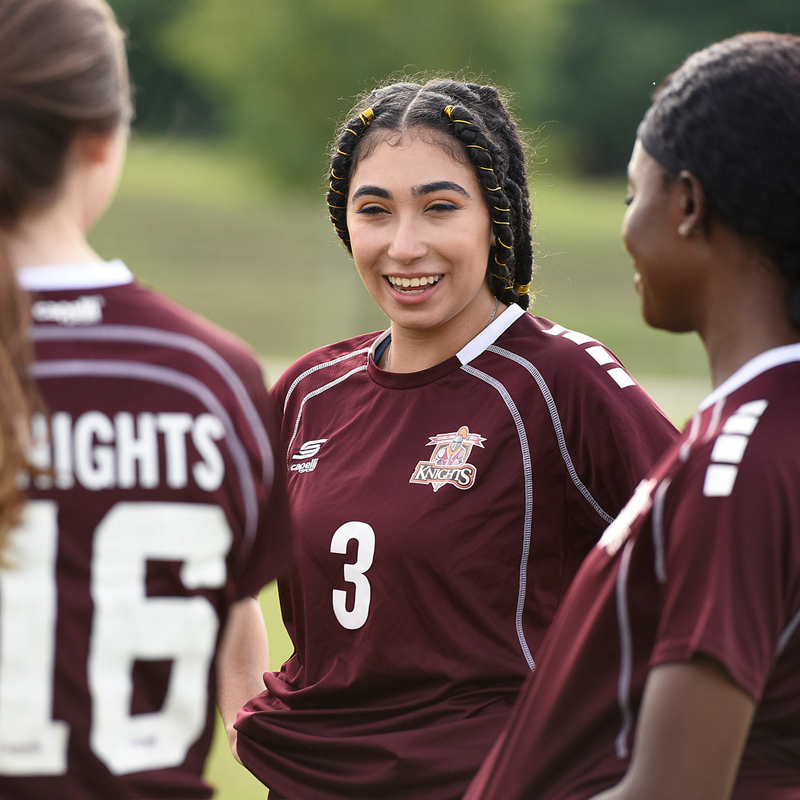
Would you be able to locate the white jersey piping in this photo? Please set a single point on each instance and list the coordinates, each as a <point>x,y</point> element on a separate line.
<point>314,369</point>
<point>557,427</point>
<point>626,653</point>
<point>788,632</point>
<point>320,390</point>
<point>528,477</point>
<point>170,377</point>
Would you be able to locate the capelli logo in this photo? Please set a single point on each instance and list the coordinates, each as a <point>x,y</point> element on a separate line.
<point>86,310</point>
<point>308,450</point>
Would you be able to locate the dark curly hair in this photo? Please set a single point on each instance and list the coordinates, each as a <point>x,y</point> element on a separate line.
<point>484,134</point>
<point>730,115</point>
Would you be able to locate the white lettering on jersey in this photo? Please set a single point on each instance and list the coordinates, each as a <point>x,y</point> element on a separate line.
<point>86,310</point>
<point>103,453</point>
<point>127,624</point>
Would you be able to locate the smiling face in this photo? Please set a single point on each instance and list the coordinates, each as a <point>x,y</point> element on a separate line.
<point>421,233</point>
<point>667,276</point>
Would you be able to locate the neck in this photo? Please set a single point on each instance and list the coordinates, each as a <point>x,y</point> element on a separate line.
<point>417,349</point>
<point>50,237</point>
<point>747,314</point>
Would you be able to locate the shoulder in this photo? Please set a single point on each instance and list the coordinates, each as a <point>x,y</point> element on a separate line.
<point>569,364</point>
<point>325,364</point>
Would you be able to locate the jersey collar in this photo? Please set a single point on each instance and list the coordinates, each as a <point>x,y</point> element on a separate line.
<point>752,369</point>
<point>55,277</point>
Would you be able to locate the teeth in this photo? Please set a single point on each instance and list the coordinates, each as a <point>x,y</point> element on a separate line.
<point>413,283</point>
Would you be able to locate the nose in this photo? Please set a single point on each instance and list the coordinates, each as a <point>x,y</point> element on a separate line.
<point>406,244</point>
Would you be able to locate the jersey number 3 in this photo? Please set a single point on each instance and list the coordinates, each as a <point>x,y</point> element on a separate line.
<point>354,573</point>
<point>127,625</point>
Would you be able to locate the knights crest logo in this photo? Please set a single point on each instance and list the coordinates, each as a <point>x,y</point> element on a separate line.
<point>448,462</point>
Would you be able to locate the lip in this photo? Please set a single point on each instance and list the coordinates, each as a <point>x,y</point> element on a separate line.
<point>413,294</point>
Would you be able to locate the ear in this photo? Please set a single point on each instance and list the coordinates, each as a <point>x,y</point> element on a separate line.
<point>693,207</point>
<point>94,148</point>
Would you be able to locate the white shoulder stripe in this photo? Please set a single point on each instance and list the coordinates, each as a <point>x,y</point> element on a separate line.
<point>316,392</point>
<point>177,341</point>
<point>318,367</point>
<point>186,383</point>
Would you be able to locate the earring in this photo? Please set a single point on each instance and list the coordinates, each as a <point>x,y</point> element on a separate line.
<point>684,228</point>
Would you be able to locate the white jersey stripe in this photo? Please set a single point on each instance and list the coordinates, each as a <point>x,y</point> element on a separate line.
<point>314,369</point>
<point>320,390</point>
<point>626,653</point>
<point>660,564</point>
<point>528,520</point>
<point>177,341</point>
<point>788,632</point>
<point>557,427</point>
<point>186,383</point>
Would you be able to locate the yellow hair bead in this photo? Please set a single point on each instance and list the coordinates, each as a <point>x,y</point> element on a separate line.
<point>367,116</point>
<point>523,288</point>
<point>342,152</point>
<point>335,191</point>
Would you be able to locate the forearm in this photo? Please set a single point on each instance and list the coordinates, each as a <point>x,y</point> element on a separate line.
<point>241,662</point>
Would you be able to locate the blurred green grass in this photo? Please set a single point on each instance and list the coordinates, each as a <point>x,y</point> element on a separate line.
<point>199,223</point>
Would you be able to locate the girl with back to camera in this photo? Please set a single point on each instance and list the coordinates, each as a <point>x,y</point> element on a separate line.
<point>673,670</point>
<point>447,475</point>
<point>155,505</point>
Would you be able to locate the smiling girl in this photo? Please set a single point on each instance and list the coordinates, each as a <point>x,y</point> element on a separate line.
<point>447,475</point>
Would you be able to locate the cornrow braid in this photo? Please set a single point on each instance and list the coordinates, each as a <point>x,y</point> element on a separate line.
<point>487,135</point>
<point>339,175</point>
<point>503,198</point>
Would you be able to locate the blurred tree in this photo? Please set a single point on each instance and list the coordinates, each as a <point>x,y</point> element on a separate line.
<point>168,98</point>
<point>286,71</point>
<point>615,52</point>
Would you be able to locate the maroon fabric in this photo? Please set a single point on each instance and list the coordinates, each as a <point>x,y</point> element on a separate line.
<point>446,511</point>
<point>162,509</point>
<point>705,559</point>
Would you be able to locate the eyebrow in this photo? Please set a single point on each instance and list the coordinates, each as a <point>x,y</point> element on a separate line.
<point>417,191</point>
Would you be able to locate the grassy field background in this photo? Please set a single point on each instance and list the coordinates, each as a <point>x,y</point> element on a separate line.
<point>201,225</point>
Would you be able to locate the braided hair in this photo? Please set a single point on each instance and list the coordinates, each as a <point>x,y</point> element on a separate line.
<point>484,134</point>
<point>730,115</point>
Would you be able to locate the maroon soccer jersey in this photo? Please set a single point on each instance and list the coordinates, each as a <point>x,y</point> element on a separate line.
<point>156,509</point>
<point>704,559</point>
<point>440,516</point>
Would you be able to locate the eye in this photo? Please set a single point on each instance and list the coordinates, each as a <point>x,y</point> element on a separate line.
<point>371,210</point>
<point>443,205</point>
